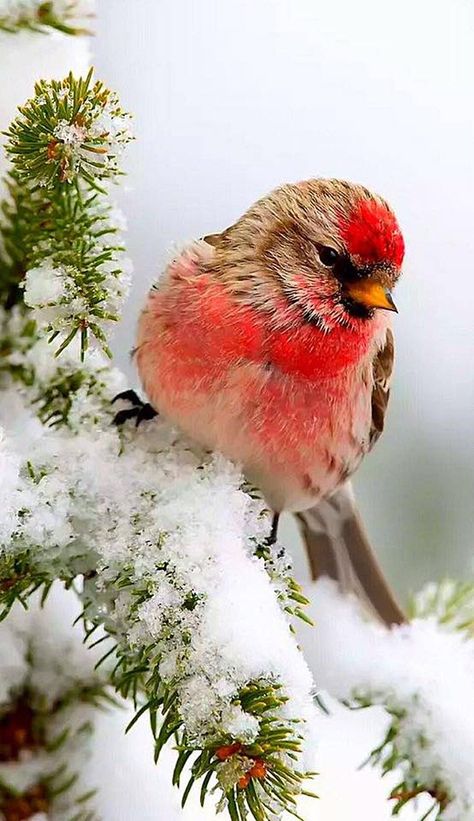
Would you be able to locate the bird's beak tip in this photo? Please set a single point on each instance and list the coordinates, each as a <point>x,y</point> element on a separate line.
<point>371,294</point>
<point>391,305</point>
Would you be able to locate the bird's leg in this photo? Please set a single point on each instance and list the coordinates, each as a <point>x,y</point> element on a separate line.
<point>140,411</point>
<point>274,531</point>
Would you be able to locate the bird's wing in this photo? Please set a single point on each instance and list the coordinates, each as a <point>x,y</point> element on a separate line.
<point>217,240</point>
<point>335,537</point>
<point>382,374</point>
<point>213,239</point>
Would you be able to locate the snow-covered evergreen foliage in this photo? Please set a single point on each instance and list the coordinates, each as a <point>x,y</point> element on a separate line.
<point>172,545</point>
<point>61,234</point>
<point>422,673</point>
<point>49,691</point>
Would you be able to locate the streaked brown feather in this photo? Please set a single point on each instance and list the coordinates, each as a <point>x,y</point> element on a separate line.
<point>213,239</point>
<point>218,240</point>
<point>382,370</point>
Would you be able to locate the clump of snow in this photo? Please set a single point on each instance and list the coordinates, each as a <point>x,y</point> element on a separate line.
<point>45,285</point>
<point>181,524</point>
<point>70,133</point>
<point>240,725</point>
<point>59,300</point>
<point>91,383</point>
<point>9,471</point>
<point>422,672</point>
<point>13,663</point>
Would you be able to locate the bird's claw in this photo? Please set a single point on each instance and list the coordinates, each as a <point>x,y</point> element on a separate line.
<point>140,411</point>
<point>128,396</point>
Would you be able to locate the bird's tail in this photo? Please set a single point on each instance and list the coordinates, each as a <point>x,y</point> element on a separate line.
<point>338,547</point>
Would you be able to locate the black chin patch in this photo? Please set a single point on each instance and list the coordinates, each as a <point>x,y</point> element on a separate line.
<point>345,272</point>
<point>357,310</point>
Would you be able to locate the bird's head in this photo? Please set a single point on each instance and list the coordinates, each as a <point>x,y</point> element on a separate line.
<point>329,248</point>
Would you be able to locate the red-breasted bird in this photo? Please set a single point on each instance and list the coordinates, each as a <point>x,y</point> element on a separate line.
<point>271,343</point>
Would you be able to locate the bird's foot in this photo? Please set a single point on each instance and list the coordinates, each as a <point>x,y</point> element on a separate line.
<point>266,549</point>
<point>140,411</point>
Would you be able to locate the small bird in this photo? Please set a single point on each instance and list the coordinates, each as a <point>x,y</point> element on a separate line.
<point>271,343</point>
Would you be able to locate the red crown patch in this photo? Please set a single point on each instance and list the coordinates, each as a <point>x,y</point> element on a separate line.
<point>372,234</point>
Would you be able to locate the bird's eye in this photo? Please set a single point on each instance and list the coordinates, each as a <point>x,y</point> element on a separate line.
<point>328,256</point>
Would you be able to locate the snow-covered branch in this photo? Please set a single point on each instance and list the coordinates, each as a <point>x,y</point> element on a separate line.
<point>49,693</point>
<point>169,540</point>
<point>61,233</point>
<point>422,673</point>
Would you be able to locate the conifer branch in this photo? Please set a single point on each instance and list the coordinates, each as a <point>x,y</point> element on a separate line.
<point>67,16</point>
<point>237,734</point>
<point>49,694</point>
<point>61,234</point>
<point>421,674</point>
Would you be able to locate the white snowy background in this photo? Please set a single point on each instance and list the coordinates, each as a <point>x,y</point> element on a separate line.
<point>231,99</point>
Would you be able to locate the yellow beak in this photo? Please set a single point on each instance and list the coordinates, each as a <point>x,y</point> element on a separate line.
<point>371,294</point>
